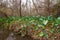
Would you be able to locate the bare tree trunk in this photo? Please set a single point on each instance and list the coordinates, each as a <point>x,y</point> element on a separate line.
<point>47,7</point>
<point>35,7</point>
<point>20,8</point>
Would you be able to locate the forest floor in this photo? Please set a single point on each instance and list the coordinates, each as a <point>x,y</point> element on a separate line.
<point>6,35</point>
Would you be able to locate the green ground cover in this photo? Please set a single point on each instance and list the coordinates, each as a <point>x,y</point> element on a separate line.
<point>35,26</point>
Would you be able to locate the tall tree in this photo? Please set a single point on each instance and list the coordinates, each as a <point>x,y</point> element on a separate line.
<point>47,7</point>
<point>20,8</point>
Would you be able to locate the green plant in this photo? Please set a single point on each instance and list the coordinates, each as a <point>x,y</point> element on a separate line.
<point>33,25</point>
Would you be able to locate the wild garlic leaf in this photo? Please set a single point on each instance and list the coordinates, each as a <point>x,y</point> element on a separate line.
<point>45,22</point>
<point>41,33</point>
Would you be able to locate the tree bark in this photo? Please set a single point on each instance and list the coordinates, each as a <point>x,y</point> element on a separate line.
<point>20,8</point>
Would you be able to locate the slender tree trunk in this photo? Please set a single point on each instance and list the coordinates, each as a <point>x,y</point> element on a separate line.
<point>35,7</point>
<point>20,8</point>
<point>47,7</point>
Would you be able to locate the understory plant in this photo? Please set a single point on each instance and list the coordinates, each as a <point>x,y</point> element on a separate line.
<point>34,26</point>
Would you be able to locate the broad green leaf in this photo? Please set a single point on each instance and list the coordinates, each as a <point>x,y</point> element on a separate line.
<point>41,33</point>
<point>45,22</point>
<point>36,28</point>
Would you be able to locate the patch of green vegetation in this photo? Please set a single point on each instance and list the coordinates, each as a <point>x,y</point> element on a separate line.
<point>40,25</point>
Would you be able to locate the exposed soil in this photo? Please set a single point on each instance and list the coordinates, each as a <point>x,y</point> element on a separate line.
<point>5,35</point>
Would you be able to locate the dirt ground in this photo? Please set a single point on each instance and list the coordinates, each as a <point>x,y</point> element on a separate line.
<point>5,35</point>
